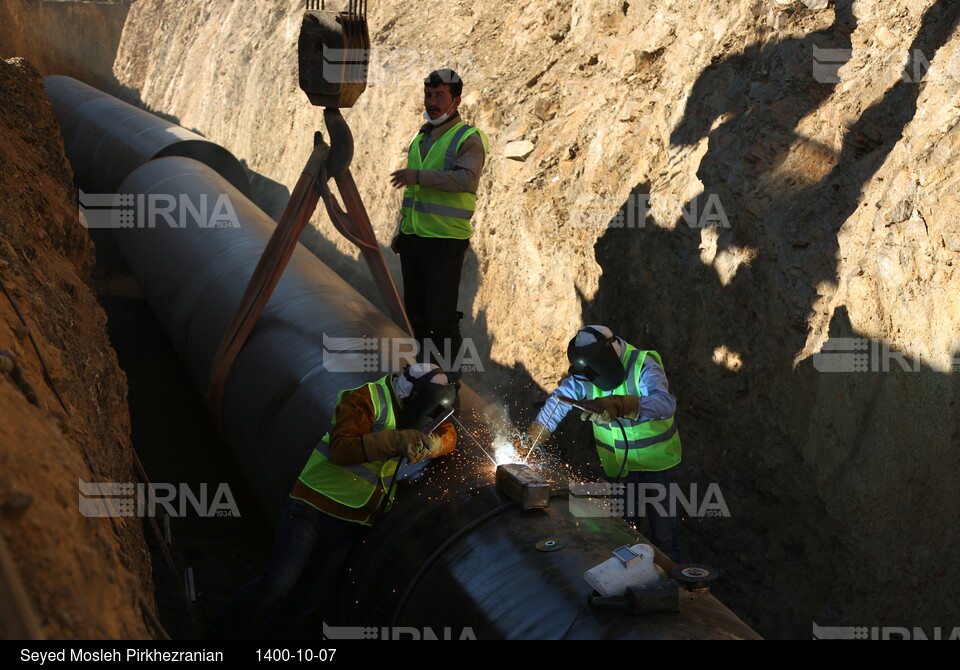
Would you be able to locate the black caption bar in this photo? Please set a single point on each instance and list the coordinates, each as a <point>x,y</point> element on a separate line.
<point>214,652</point>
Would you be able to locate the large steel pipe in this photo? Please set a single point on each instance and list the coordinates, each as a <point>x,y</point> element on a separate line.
<point>454,553</point>
<point>279,397</point>
<point>106,139</point>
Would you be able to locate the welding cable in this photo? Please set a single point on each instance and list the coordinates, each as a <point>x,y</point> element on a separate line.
<point>626,448</point>
<point>565,491</point>
<point>396,476</point>
<point>411,587</point>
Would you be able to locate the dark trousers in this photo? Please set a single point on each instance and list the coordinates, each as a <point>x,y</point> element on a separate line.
<point>309,551</point>
<point>664,528</point>
<point>431,281</point>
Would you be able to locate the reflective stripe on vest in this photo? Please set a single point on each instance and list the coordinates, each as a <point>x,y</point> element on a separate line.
<point>430,212</point>
<point>650,445</point>
<point>432,208</point>
<point>450,155</point>
<point>354,485</point>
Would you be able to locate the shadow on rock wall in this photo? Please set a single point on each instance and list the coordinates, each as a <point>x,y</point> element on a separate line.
<point>839,483</point>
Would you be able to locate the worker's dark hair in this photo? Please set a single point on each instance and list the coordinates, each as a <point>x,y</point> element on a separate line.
<point>445,76</point>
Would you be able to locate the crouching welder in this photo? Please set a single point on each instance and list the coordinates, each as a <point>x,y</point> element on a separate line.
<point>377,437</point>
<point>632,410</point>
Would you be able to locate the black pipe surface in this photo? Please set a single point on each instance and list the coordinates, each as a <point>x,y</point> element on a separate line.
<point>279,401</point>
<point>106,139</point>
<point>451,554</point>
<point>279,398</point>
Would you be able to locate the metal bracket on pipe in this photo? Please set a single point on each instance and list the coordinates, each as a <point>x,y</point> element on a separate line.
<point>519,483</point>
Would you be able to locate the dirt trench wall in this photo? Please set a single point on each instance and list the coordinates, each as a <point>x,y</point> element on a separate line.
<point>86,577</point>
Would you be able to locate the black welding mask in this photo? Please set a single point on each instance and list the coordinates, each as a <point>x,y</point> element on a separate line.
<point>596,362</point>
<point>426,401</point>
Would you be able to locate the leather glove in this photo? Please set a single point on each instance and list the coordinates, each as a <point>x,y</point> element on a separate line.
<point>433,448</point>
<point>536,435</point>
<point>392,443</point>
<point>614,407</point>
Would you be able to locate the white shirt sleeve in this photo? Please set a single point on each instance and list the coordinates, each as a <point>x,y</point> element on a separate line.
<point>553,410</point>
<point>656,401</point>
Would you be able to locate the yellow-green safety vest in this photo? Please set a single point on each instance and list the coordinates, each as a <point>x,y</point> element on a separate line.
<point>354,485</point>
<point>651,445</point>
<point>429,212</point>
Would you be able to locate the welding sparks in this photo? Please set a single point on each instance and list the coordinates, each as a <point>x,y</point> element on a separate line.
<point>478,443</point>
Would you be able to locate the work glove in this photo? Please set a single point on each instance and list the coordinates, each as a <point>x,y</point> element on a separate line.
<point>613,407</point>
<point>385,444</point>
<point>433,447</point>
<point>536,435</point>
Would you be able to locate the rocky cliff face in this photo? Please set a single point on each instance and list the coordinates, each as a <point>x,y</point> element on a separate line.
<point>75,38</point>
<point>737,184</point>
<point>85,577</point>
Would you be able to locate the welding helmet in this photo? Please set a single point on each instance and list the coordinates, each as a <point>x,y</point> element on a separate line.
<point>596,360</point>
<point>426,397</point>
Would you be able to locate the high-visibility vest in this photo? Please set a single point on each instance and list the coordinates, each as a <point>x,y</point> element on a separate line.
<point>650,445</point>
<point>429,212</point>
<point>354,485</point>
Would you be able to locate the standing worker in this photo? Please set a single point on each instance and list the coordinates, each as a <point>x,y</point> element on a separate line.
<point>634,429</point>
<point>440,182</point>
<point>348,481</point>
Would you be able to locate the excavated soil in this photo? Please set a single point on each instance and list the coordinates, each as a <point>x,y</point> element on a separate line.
<point>85,577</point>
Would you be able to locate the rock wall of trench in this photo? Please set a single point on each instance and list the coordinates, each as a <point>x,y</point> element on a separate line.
<point>78,39</point>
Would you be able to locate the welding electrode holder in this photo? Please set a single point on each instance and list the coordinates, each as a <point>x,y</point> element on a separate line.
<point>581,405</point>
